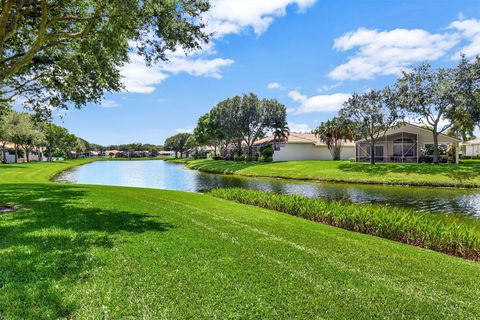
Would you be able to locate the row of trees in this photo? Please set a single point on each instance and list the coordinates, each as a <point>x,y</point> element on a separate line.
<point>27,135</point>
<point>239,121</point>
<point>445,100</point>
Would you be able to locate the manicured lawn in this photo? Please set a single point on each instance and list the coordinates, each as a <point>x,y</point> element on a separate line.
<point>466,174</point>
<point>76,251</point>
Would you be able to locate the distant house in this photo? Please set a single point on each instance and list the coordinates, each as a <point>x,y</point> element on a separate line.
<point>304,146</point>
<point>472,147</point>
<point>34,155</point>
<point>406,143</point>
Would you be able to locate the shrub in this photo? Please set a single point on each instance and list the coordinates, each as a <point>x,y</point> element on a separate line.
<point>267,152</point>
<point>453,235</point>
<point>218,158</point>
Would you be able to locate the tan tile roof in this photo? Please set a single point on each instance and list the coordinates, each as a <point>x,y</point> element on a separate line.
<point>295,137</point>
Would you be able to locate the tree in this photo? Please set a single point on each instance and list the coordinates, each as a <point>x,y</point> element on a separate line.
<point>5,133</point>
<point>277,120</point>
<point>430,96</point>
<point>23,132</point>
<point>372,113</point>
<point>54,137</point>
<point>177,143</point>
<point>334,132</point>
<point>208,130</point>
<point>58,52</point>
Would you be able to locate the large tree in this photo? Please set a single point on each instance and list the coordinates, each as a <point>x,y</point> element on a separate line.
<point>334,133</point>
<point>372,113</point>
<point>70,51</point>
<point>431,97</point>
<point>177,143</point>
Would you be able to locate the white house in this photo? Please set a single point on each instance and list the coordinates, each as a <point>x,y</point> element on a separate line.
<point>305,146</point>
<point>472,147</point>
<point>404,144</point>
<point>34,155</point>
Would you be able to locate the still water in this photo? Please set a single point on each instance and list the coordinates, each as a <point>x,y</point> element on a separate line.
<point>165,175</point>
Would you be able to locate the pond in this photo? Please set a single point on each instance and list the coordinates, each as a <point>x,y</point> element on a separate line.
<point>165,175</point>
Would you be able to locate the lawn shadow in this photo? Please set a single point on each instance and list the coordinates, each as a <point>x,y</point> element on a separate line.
<point>48,242</point>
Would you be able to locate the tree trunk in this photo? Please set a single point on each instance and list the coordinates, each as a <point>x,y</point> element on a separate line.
<point>372,151</point>
<point>435,147</point>
<point>49,155</point>
<point>27,155</point>
<point>16,154</point>
<point>4,154</point>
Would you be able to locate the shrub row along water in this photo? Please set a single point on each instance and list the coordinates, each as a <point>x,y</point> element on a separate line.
<point>455,235</point>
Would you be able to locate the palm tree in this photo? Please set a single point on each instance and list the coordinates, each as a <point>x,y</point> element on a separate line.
<point>280,131</point>
<point>334,132</point>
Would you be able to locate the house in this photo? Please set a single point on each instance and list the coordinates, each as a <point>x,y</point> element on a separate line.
<point>34,155</point>
<point>304,146</point>
<point>406,143</point>
<point>472,147</point>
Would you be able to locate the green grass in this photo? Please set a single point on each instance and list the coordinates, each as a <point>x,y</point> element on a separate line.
<point>455,235</point>
<point>466,174</point>
<point>91,252</point>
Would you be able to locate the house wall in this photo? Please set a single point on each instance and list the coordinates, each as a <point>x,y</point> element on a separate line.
<point>472,149</point>
<point>423,137</point>
<point>307,151</point>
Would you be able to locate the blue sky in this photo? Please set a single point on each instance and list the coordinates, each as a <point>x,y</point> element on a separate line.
<point>307,54</point>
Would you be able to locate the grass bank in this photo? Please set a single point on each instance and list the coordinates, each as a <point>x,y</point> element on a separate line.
<point>466,174</point>
<point>455,235</point>
<point>90,252</point>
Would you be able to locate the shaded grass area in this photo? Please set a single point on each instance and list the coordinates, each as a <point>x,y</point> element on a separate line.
<point>455,235</point>
<point>466,174</point>
<point>96,252</point>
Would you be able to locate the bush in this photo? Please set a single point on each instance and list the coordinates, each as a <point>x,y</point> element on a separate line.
<point>267,152</point>
<point>453,235</point>
<point>218,158</point>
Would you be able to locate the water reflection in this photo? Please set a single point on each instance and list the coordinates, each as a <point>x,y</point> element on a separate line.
<point>164,175</point>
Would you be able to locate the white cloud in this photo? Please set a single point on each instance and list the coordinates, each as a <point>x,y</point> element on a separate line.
<point>326,88</point>
<point>235,16</point>
<point>197,67</point>
<point>106,103</point>
<point>274,85</point>
<point>184,130</point>
<point>139,78</point>
<point>470,30</point>
<point>320,103</point>
<point>388,52</point>
<point>299,127</point>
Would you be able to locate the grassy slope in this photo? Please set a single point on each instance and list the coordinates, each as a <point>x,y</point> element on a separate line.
<point>80,251</point>
<point>467,174</point>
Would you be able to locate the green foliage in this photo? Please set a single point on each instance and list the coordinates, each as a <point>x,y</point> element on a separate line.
<point>372,114</point>
<point>59,52</point>
<point>178,143</point>
<point>242,120</point>
<point>452,235</point>
<point>267,152</point>
<point>334,132</point>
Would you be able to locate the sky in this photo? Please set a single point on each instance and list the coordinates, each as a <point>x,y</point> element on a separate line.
<point>308,54</point>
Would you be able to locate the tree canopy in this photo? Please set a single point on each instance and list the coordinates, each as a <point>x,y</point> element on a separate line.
<point>56,53</point>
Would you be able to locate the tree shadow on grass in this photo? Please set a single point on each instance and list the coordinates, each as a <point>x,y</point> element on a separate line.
<point>462,172</point>
<point>45,246</point>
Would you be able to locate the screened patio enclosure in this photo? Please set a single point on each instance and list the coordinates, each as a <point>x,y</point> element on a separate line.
<point>397,147</point>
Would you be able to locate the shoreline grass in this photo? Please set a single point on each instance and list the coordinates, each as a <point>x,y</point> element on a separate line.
<point>464,175</point>
<point>86,251</point>
<point>454,235</point>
